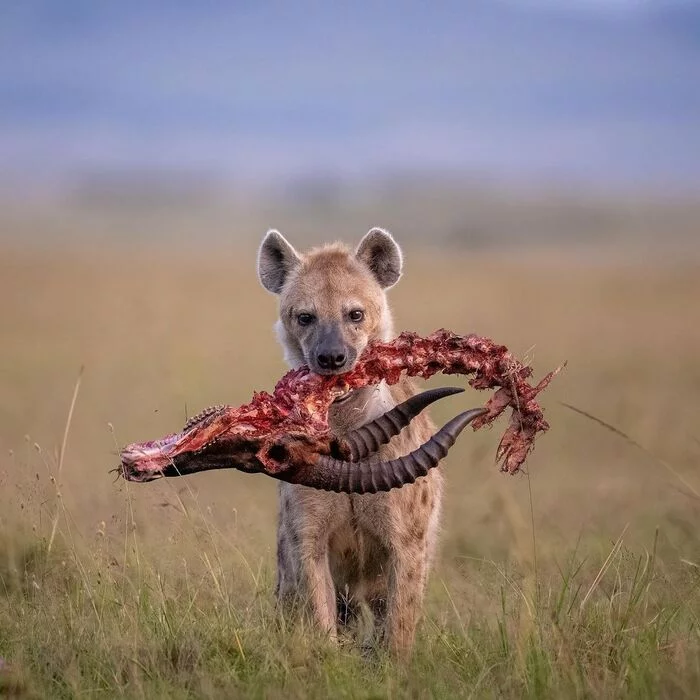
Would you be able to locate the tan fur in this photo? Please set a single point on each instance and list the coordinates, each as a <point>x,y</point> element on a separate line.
<point>377,548</point>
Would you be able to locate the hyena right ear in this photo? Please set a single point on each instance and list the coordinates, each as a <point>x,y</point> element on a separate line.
<point>381,253</point>
<point>276,259</point>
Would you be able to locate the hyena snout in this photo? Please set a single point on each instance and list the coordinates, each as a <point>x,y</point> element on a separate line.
<point>331,354</point>
<point>333,358</point>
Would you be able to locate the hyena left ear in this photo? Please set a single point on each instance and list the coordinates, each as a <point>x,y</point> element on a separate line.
<point>276,259</point>
<point>381,253</point>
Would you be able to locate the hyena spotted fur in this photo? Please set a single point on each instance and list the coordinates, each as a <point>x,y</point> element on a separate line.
<point>338,551</point>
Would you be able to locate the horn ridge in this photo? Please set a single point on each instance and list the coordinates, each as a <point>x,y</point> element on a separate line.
<point>422,460</point>
<point>372,475</point>
<point>412,467</point>
<point>367,439</point>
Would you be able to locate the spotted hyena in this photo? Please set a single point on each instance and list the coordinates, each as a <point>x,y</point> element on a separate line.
<point>340,552</point>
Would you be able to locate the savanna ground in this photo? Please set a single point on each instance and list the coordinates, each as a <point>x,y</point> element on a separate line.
<point>580,579</point>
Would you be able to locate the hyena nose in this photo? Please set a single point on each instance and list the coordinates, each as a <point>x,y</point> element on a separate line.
<point>331,360</point>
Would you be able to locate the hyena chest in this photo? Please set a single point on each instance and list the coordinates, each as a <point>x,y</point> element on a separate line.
<point>357,561</point>
<point>356,554</point>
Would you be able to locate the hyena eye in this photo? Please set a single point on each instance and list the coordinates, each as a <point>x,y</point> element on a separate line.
<point>305,319</point>
<point>356,315</point>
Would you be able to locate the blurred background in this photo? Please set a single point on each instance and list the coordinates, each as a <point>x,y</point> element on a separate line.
<point>479,124</point>
<point>539,161</point>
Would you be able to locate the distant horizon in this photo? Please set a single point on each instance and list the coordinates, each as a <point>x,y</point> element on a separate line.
<point>215,186</point>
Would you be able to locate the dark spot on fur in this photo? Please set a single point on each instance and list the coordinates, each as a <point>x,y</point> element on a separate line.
<point>413,535</point>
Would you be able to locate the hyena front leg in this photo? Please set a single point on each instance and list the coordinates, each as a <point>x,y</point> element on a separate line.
<point>303,573</point>
<point>318,586</point>
<point>305,584</point>
<point>287,586</point>
<point>407,577</point>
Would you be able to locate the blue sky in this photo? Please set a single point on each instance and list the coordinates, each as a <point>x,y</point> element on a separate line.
<point>599,90</point>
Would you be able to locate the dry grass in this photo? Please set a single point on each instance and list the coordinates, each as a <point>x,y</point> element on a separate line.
<point>579,580</point>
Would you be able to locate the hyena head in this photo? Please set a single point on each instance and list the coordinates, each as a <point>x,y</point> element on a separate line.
<point>332,300</point>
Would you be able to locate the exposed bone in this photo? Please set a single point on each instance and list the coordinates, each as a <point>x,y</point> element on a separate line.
<point>203,414</point>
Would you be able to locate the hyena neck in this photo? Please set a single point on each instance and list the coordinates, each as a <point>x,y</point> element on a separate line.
<point>360,407</point>
<point>368,403</point>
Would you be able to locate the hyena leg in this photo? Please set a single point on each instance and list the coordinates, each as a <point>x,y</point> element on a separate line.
<point>319,588</point>
<point>287,586</point>
<point>305,584</point>
<point>304,578</point>
<point>407,577</point>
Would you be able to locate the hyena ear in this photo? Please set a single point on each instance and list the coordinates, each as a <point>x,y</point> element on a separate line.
<point>276,259</point>
<point>381,253</point>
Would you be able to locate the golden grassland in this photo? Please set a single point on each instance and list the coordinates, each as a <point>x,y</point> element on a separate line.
<point>581,578</point>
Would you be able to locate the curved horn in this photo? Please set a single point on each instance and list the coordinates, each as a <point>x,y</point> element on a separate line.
<point>365,476</point>
<point>370,437</point>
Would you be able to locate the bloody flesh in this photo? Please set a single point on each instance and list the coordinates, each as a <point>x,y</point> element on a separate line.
<point>301,399</point>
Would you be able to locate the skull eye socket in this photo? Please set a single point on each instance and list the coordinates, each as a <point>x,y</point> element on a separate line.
<point>356,315</point>
<point>305,319</point>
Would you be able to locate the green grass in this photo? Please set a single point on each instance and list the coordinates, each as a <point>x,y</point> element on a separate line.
<point>580,580</point>
<point>75,622</point>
